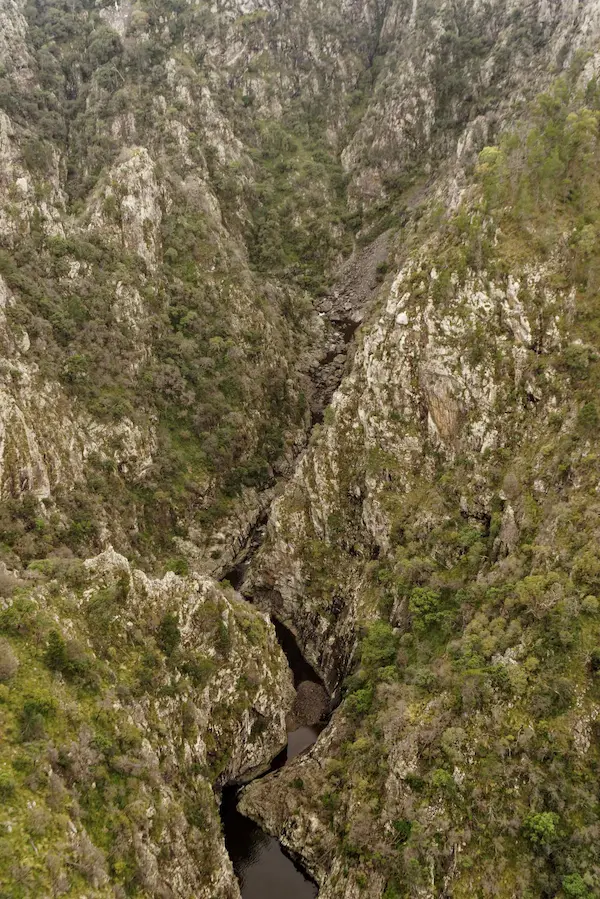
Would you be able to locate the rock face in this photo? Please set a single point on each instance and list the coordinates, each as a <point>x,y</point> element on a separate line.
<point>411,548</point>
<point>209,215</point>
<point>163,333</point>
<point>148,238</point>
<point>161,690</point>
<point>44,440</point>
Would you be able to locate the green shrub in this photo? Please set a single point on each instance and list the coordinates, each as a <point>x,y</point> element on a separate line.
<point>577,359</point>
<point>574,885</point>
<point>588,418</point>
<point>415,782</point>
<point>7,786</point>
<point>168,636</point>
<point>402,829</point>
<point>66,656</point>
<point>541,828</point>
<point>223,639</point>
<point>379,647</point>
<point>35,712</point>
<point>178,566</point>
<point>198,668</point>
<point>590,605</point>
<point>9,663</point>
<point>359,704</point>
<point>442,780</point>
<point>392,891</point>
<point>425,609</point>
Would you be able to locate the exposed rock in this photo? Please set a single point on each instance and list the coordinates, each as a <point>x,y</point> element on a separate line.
<point>311,705</point>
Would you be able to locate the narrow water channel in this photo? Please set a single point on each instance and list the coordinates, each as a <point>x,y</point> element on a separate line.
<point>262,867</point>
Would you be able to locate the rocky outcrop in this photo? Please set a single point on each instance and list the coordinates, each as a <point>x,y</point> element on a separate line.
<point>420,115</point>
<point>208,217</point>
<point>156,691</point>
<point>45,439</point>
<point>135,208</point>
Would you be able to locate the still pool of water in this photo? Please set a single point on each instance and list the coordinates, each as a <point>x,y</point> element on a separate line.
<point>263,869</point>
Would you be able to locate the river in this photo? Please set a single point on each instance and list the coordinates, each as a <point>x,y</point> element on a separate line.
<point>263,869</point>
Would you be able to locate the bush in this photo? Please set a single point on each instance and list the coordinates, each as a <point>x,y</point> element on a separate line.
<point>577,358</point>
<point>379,647</point>
<point>442,780</point>
<point>359,703</point>
<point>575,885</point>
<point>425,609</point>
<point>7,786</point>
<point>8,661</point>
<point>586,569</point>
<point>587,418</point>
<point>403,830</point>
<point>590,605</point>
<point>540,828</point>
<point>198,668</point>
<point>35,712</point>
<point>169,635</point>
<point>66,656</point>
<point>178,566</point>
<point>392,891</point>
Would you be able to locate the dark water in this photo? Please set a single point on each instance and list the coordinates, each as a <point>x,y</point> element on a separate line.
<point>263,869</point>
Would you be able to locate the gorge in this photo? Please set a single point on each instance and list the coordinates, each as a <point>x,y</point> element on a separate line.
<point>299,415</point>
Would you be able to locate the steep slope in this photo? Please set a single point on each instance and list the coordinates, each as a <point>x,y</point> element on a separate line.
<point>198,204</point>
<point>123,700</point>
<point>171,187</point>
<point>441,532</point>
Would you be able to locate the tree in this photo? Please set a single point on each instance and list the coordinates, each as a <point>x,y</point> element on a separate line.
<point>541,828</point>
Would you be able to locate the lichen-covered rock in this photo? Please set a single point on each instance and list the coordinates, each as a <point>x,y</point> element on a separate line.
<point>199,207</point>
<point>131,205</point>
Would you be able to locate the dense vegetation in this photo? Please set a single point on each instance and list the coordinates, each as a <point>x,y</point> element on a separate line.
<point>178,200</point>
<point>116,725</point>
<point>234,239</point>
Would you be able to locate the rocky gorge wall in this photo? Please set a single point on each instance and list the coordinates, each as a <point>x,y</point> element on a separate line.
<point>433,546</point>
<point>124,700</point>
<point>199,205</point>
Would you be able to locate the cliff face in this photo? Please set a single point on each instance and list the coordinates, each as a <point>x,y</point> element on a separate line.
<point>174,182</point>
<point>164,205</point>
<point>436,542</point>
<point>124,700</point>
<point>443,365</point>
<point>198,204</point>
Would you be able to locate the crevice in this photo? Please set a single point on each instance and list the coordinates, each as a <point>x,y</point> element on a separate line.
<point>256,856</point>
<point>260,863</point>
